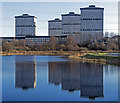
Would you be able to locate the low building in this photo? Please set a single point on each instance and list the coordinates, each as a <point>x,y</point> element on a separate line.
<point>44,39</point>
<point>31,40</point>
<point>9,39</point>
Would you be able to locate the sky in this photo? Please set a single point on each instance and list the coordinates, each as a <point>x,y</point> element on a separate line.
<point>45,11</point>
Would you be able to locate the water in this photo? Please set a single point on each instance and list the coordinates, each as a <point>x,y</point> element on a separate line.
<point>54,78</point>
<point>114,54</point>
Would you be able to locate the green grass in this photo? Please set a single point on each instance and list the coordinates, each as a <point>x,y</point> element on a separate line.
<point>100,56</point>
<point>97,54</point>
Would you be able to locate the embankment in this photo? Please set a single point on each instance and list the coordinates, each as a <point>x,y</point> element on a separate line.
<point>97,58</point>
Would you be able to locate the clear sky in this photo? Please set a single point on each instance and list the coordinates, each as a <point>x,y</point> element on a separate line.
<point>45,11</point>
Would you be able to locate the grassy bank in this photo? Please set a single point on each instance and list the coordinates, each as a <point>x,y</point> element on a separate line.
<point>97,58</point>
<point>64,53</point>
<point>84,56</point>
<point>57,53</point>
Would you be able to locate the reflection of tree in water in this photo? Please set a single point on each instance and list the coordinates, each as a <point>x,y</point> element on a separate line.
<point>86,77</point>
<point>25,75</point>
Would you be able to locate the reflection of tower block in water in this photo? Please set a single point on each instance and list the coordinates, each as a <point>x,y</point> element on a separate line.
<point>119,85</point>
<point>25,75</point>
<point>71,77</point>
<point>55,72</point>
<point>91,92</point>
<point>92,81</point>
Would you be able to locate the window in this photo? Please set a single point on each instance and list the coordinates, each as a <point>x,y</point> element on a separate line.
<point>55,28</point>
<point>25,26</point>
<point>71,24</point>
<point>91,19</point>
<point>90,29</point>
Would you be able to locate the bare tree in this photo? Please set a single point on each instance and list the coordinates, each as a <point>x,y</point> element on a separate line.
<point>53,42</point>
<point>71,44</point>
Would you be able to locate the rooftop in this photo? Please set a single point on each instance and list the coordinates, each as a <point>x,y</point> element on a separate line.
<point>30,37</point>
<point>56,20</point>
<point>25,16</point>
<point>71,14</point>
<point>91,7</point>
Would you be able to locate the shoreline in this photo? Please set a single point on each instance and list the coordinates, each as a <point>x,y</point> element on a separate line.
<point>102,59</point>
<point>57,53</point>
<point>82,56</point>
<point>54,53</point>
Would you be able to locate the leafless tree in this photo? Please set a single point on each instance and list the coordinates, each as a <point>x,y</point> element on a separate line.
<point>71,44</point>
<point>53,42</point>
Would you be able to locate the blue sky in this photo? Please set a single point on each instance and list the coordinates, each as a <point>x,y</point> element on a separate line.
<point>45,11</point>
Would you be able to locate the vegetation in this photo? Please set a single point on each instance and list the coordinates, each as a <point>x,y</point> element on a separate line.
<point>97,58</point>
<point>71,44</point>
<point>22,45</point>
<point>85,52</point>
<point>53,45</point>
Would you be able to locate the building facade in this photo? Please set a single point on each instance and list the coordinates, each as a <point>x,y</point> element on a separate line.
<point>31,40</point>
<point>25,25</point>
<point>87,26</point>
<point>55,27</point>
<point>70,23</point>
<point>91,23</point>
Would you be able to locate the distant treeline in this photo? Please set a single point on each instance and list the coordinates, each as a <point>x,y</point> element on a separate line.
<point>70,45</point>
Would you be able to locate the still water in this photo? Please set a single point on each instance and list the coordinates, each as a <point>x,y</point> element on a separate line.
<point>55,78</point>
